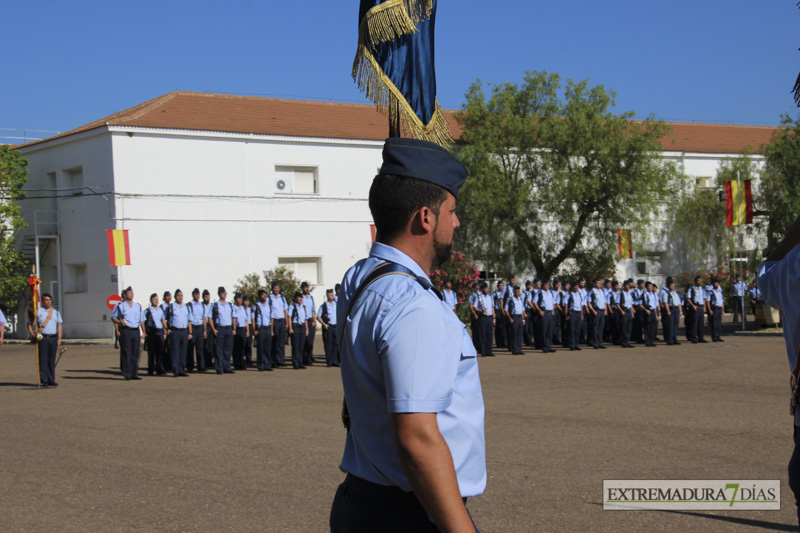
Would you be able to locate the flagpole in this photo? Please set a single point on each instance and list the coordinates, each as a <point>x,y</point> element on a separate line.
<point>35,300</point>
<point>741,245</point>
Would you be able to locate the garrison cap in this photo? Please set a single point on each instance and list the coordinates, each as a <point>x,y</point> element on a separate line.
<point>556,282</point>
<point>482,285</point>
<point>178,291</point>
<point>196,291</point>
<point>639,281</point>
<point>261,291</point>
<point>670,281</point>
<point>154,295</point>
<point>545,282</point>
<point>298,293</point>
<point>329,291</point>
<point>615,283</point>
<point>475,284</point>
<point>129,289</point>
<point>528,282</point>
<point>237,295</point>
<point>245,298</point>
<point>221,290</point>
<point>276,284</point>
<point>536,280</point>
<point>206,293</point>
<point>337,286</point>
<point>423,160</point>
<point>166,293</point>
<point>698,277</point>
<point>304,285</point>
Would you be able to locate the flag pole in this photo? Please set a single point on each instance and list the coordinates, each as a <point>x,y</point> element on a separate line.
<point>35,301</point>
<point>741,246</point>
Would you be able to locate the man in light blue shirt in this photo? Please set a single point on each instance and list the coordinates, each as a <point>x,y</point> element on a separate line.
<point>515,313</point>
<point>129,318</point>
<point>739,290</point>
<point>241,332</point>
<point>545,305</point>
<point>754,295</point>
<point>223,324</point>
<point>280,324</point>
<point>311,323</point>
<point>415,446</point>
<point>180,331</point>
<point>197,317</point>
<point>327,319</point>
<point>299,330</point>
<point>716,304</point>
<point>698,304</point>
<point>48,321</point>
<point>449,294</point>
<point>2,327</point>
<point>779,277</point>
<point>597,311</point>
<point>156,335</point>
<point>671,312</point>
<point>262,329</point>
<point>483,309</point>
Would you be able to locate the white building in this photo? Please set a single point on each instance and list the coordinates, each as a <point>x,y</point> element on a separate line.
<point>212,187</point>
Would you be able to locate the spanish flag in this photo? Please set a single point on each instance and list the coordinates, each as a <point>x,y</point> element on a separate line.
<point>624,244</point>
<point>119,248</point>
<point>739,200</point>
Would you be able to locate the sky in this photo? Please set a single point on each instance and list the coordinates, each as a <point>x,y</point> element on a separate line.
<point>65,64</point>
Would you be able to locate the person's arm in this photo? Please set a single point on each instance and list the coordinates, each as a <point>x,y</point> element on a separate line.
<point>205,327</point>
<point>58,334</point>
<point>428,465</point>
<point>2,333</point>
<point>189,325</point>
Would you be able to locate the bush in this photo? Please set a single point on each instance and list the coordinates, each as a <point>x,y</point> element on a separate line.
<point>724,273</point>
<point>463,274</point>
<point>250,284</point>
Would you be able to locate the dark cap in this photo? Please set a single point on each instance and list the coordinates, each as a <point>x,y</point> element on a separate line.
<point>669,281</point>
<point>245,298</point>
<point>206,293</point>
<point>475,284</point>
<point>237,295</point>
<point>545,282</point>
<point>536,280</point>
<point>337,286</point>
<point>555,282</point>
<point>447,280</point>
<point>154,295</point>
<point>512,276</point>
<point>196,291</point>
<point>166,293</point>
<point>261,291</point>
<point>128,289</point>
<point>298,293</point>
<point>615,283</point>
<point>581,279</point>
<point>178,291</point>
<point>528,282</point>
<point>698,277</point>
<point>639,281</point>
<point>423,160</point>
<point>329,291</point>
<point>221,290</point>
<point>482,285</point>
<point>304,285</point>
<point>276,284</point>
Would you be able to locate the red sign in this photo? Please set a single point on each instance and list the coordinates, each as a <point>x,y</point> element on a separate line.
<point>113,300</point>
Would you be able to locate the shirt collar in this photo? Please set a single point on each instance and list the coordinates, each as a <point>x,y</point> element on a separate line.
<point>388,253</point>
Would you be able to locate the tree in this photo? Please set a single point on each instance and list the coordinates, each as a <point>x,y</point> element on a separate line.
<point>13,266</point>
<point>779,191</point>
<point>250,284</point>
<point>552,179</point>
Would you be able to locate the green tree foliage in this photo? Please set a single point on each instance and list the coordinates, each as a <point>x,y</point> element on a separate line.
<point>779,191</point>
<point>250,284</point>
<point>13,266</point>
<point>553,177</point>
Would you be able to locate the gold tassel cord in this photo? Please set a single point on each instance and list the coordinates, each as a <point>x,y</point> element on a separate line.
<point>392,19</point>
<point>390,101</point>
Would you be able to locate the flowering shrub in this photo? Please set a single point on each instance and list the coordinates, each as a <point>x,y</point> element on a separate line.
<point>250,284</point>
<point>724,273</point>
<point>463,274</point>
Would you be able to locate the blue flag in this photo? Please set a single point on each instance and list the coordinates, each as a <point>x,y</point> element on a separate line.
<point>394,65</point>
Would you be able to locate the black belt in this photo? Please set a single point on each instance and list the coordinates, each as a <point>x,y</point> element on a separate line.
<point>178,329</point>
<point>547,312</point>
<point>263,327</point>
<point>49,336</point>
<point>384,493</point>
<point>224,327</point>
<point>130,328</point>
<point>298,323</point>
<point>279,319</point>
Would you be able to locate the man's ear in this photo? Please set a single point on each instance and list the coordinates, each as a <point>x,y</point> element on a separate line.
<point>423,221</point>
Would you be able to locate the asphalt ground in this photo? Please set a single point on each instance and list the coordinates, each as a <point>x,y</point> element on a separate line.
<point>259,451</point>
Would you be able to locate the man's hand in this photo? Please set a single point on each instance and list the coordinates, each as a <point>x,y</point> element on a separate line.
<point>428,465</point>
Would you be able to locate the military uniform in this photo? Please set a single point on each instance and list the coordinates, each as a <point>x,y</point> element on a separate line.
<point>311,313</point>
<point>48,321</point>
<point>299,318</point>
<point>327,316</point>
<point>223,318</point>
<point>262,330</point>
<point>130,316</point>
<point>195,355</point>
<point>279,308</point>
<point>697,296</point>
<point>154,329</point>
<point>515,310</point>
<point>178,321</point>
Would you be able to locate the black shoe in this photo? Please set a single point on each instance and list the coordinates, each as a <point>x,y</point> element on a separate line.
<point>579,348</point>
<point>202,370</point>
<point>603,347</point>
<point>184,375</point>
<point>720,340</point>
<point>219,371</point>
<point>150,372</point>
<point>675,343</point>
<point>45,384</point>
<point>160,372</point>
<point>229,371</point>
<point>137,378</point>
<point>596,347</point>
<point>694,342</point>
<point>268,369</point>
<point>703,340</point>
<point>54,384</point>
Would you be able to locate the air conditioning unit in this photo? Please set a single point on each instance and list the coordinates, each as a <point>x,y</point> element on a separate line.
<point>283,184</point>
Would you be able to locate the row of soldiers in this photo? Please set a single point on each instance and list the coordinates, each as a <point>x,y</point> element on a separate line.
<point>545,314</point>
<point>201,335</point>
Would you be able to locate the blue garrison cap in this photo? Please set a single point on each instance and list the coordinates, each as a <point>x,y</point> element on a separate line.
<point>423,160</point>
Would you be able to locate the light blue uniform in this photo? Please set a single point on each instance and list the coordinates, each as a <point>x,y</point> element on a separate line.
<point>715,297</point>
<point>450,298</point>
<point>546,301</point>
<point>179,316</point>
<point>484,303</point>
<point>598,299</point>
<point>278,306</point>
<point>298,313</point>
<point>224,313</point>
<point>196,313</point>
<point>405,351</point>
<point>739,288</point>
<point>242,316</point>
<point>263,316</point>
<point>132,314</point>
<point>52,326</point>
<point>157,314</point>
<point>2,318</point>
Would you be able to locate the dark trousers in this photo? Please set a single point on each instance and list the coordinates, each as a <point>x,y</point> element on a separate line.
<point>515,342</point>
<point>47,349</point>
<point>794,471</point>
<point>224,344</point>
<point>308,349</point>
<point>166,358</point>
<point>485,334</point>
<point>278,341</point>
<point>639,322</point>
<point>248,350</point>
<point>699,326</point>
<point>264,348</point>
<point>528,332</point>
<point>474,326</point>
<point>500,329</point>
<point>738,309</point>
<point>129,351</point>
<point>688,322</point>
<point>675,322</point>
<point>210,348</point>
<point>546,327</point>
<point>179,343</point>
<point>584,334</point>
<point>239,340</point>
<point>624,327</point>
<point>575,325</point>
<point>331,346</point>
<point>363,507</point>
<point>565,330</point>
<point>197,349</point>
<point>298,344</point>
<point>557,326</point>
<point>651,327</point>
<point>598,325</point>
<point>155,350</point>
<point>536,324</point>
<point>716,323</point>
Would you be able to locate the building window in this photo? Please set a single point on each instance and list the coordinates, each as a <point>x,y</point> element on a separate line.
<point>652,264</point>
<point>704,182</point>
<point>74,180</point>
<point>296,180</point>
<point>304,268</point>
<point>75,279</point>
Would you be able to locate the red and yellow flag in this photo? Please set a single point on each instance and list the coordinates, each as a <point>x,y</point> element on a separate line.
<point>33,304</point>
<point>119,248</point>
<point>624,244</point>
<point>739,201</point>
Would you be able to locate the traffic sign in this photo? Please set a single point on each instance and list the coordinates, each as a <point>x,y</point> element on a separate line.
<point>113,300</point>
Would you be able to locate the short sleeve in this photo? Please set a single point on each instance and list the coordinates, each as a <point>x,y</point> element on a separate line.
<point>420,361</point>
<point>779,281</point>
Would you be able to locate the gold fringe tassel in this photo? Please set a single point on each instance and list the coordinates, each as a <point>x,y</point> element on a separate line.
<point>371,80</point>
<point>392,19</point>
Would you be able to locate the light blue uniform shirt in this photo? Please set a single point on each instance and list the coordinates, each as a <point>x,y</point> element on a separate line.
<point>179,316</point>
<point>497,296</point>
<point>450,298</point>
<point>697,295</point>
<point>2,318</point>
<point>242,316</point>
<point>598,299</point>
<point>473,298</point>
<point>650,300</point>
<point>584,296</point>
<point>484,304</point>
<point>52,326</point>
<point>515,305</point>
<point>157,315</point>
<point>754,293</point>
<point>298,314</point>
<point>224,313</point>
<point>546,301</point>
<point>625,299</point>
<point>739,288</point>
<point>309,305</point>
<point>405,351</point>
<point>575,302</point>
<point>715,297</point>
<point>638,296</point>
<point>781,283</point>
<point>196,313</point>
<point>279,306</point>
<point>132,314</point>
<point>262,315</point>
<point>330,308</point>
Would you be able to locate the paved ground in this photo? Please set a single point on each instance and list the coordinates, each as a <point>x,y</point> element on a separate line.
<point>259,451</point>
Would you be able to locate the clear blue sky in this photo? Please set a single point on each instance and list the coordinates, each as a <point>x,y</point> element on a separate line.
<point>68,63</point>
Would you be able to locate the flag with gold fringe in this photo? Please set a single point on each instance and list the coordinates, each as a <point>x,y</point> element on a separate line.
<point>394,65</point>
<point>739,203</point>
<point>33,303</point>
<point>119,248</point>
<point>624,244</point>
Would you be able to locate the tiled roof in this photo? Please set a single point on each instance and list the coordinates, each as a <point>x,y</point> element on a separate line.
<point>299,118</point>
